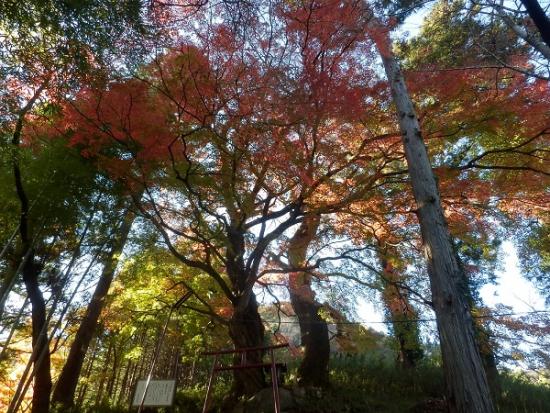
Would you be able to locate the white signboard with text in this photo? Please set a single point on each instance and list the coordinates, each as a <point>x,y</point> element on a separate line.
<point>160,393</point>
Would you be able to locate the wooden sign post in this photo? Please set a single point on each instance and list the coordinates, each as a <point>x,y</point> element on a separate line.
<point>141,396</point>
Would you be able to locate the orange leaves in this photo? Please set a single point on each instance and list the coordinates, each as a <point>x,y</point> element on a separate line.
<point>492,122</point>
<point>326,25</point>
<point>329,40</point>
<point>138,120</point>
<point>225,312</point>
<point>298,110</point>
<point>486,99</point>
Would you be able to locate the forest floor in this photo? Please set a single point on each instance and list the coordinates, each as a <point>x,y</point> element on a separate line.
<point>359,384</point>
<point>362,384</point>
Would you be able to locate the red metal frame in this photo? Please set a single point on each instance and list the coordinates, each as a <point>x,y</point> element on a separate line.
<point>244,365</point>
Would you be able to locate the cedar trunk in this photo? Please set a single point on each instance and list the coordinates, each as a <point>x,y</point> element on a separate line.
<point>64,392</point>
<point>467,384</point>
<point>313,370</point>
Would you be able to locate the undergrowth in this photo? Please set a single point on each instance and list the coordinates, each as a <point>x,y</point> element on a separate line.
<point>373,383</point>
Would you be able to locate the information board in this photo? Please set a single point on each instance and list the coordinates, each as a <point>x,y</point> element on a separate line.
<point>160,393</point>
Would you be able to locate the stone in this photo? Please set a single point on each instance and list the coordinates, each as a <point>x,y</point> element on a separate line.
<point>262,402</point>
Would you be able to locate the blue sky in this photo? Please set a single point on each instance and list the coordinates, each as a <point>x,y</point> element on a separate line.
<point>510,289</point>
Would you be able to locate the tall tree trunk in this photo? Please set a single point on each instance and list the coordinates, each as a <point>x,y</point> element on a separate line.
<point>42,376</point>
<point>31,272</point>
<point>245,326</point>
<point>465,377</point>
<point>144,358</point>
<point>26,236</point>
<point>124,383</point>
<point>402,316</point>
<point>484,342</point>
<point>313,370</point>
<point>247,330</point>
<point>136,374</point>
<point>65,389</point>
<point>132,379</point>
<point>540,19</point>
<point>191,376</point>
<point>114,367</point>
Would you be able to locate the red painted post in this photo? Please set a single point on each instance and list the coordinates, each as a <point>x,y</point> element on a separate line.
<point>243,365</point>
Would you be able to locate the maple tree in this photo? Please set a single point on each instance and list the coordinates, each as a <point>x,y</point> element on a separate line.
<point>257,137</point>
<point>234,186</point>
<point>313,328</point>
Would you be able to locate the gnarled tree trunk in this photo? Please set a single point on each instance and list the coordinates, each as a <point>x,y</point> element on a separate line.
<point>313,370</point>
<point>247,330</point>
<point>245,326</point>
<point>467,384</point>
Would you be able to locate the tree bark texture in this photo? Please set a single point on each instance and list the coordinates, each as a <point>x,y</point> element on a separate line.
<point>313,370</point>
<point>245,326</point>
<point>467,384</point>
<point>247,330</point>
<point>124,384</point>
<point>66,386</point>
<point>31,272</point>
